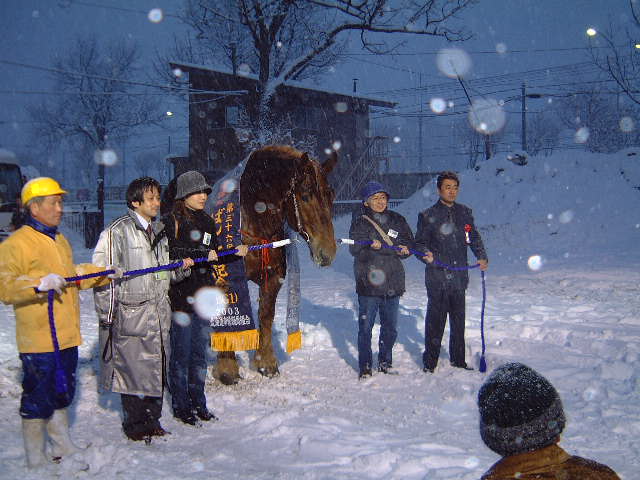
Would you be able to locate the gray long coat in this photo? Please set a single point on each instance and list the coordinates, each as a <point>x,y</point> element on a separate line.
<point>134,312</point>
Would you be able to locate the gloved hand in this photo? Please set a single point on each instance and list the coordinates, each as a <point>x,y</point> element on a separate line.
<point>242,250</point>
<point>118,273</point>
<point>53,281</point>
<point>213,256</point>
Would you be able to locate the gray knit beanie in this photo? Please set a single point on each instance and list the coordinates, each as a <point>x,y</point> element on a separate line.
<point>191,182</point>
<point>520,410</point>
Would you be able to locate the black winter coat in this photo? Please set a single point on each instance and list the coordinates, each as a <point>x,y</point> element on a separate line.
<point>441,230</point>
<point>379,273</point>
<point>196,236</point>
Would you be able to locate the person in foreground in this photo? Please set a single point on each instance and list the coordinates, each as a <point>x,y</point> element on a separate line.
<point>191,233</point>
<point>380,280</point>
<point>521,419</point>
<point>134,312</point>
<point>445,230</point>
<point>34,260</point>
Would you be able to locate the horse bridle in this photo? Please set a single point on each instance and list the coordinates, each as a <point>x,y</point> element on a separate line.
<point>299,228</point>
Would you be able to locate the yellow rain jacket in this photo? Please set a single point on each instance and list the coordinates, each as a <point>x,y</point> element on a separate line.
<point>25,257</point>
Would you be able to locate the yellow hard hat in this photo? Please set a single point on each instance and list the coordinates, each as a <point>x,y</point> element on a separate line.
<point>40,187</point>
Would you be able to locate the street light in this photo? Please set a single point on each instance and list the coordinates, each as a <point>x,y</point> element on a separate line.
<point>523,98</point>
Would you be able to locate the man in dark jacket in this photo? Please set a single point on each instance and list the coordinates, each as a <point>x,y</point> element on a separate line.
<point>521,419</point>
<point>379,273</point>
<point>444,232</point>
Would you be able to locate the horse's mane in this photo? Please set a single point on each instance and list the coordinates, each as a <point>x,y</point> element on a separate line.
<point>277,153</point>
<point>269,169</point>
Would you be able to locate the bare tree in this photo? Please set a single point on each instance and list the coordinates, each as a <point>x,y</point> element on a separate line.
<point>616,53</point>
<point>98,100</point>
<point>474,144</point>
<point>281,40</point>
<point>601,121</point>
<point>543,133</point>
<point>148,162</point>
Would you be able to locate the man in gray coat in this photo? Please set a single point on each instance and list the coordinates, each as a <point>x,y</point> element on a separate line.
<point>134,312</point>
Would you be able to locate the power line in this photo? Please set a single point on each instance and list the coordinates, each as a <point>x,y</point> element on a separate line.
<point>529,74</point>
<point>488,52</point>
<point>172,88</point>
<point>113,7</point>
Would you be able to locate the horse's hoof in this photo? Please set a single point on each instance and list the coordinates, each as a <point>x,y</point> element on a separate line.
<point>228,379</point>
<point>269,372</point>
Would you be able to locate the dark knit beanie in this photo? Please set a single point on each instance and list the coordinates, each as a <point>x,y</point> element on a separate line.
<point>520,410</point>
<point>191,182</point>
<point>371,188</point>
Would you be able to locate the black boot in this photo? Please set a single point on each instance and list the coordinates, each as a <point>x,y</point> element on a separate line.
<point>185,416</point>
<point>462,365</point>
<point>204,414</point>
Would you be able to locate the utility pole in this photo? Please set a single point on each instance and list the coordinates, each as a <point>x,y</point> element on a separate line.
<point>124,160</point>
<point>234,58</point>
<point>420,152</point>
<point>524,117</point>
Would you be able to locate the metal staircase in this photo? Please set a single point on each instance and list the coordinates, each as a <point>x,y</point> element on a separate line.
<point>363,169</point>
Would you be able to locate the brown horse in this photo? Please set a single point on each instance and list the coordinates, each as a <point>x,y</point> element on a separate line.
<point>280,184</point>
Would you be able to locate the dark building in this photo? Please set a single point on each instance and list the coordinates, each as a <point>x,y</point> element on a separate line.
<point>220,103</point>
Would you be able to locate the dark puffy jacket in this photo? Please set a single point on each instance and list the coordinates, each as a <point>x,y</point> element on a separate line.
<point>196,236</point>
<point>379,272</point>
<point>441,230</point>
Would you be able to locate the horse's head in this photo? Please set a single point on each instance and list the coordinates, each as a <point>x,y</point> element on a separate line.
<point>310,205</point>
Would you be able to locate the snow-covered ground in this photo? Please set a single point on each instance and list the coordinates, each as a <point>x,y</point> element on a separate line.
<point>575,317</point>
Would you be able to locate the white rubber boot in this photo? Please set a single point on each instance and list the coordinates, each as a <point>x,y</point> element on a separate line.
<point>33,434</point>
<point>58,430</point>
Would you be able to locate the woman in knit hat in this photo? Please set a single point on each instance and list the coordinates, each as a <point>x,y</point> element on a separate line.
<point>190,229</point>
<point>521,418</point>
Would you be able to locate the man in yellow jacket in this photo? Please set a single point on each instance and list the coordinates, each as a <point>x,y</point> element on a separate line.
<point>34,260</point>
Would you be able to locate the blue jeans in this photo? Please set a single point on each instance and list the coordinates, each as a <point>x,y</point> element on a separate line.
<point>39,396</point>
<point>188,364</point>
<point>368,308</point>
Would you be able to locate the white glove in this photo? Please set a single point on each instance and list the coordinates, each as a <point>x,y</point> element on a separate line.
<point>53,281</point>
<point>213,256</point>
<point>118,272</point>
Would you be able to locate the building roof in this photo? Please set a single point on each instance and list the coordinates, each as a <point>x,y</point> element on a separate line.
<point>188,67</point>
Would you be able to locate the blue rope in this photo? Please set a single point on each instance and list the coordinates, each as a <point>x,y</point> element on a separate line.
<point>483,362</point>
<point>61,379</point>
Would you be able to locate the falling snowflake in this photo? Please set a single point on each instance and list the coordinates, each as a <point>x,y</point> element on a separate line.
<point>155,15</point>
<point>376,277</point>
<point>535,262</point>
<point>627,124</point>
<point>341,107</point>
<point>453,62</point>
<point>181,318</point>
<point>486,116</point>
<point>437,105</point>
<point>260,207</point>
<point>582,135</point>
<point>209,302</point>
<point>106,157</point>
